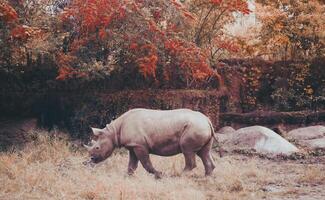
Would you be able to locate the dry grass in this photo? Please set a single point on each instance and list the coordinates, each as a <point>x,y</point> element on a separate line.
<point>314,175</point>
<point>53,169</point>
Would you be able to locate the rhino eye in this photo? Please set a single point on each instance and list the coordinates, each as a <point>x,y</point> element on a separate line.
<point>97,148</point>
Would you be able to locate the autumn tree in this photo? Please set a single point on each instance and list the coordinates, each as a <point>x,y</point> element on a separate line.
<point>210,32</point>
<point>292,29</point>
<point>26,30</point>
<point>105,35</point>
<point>9,28</point>
<point>165,40</point>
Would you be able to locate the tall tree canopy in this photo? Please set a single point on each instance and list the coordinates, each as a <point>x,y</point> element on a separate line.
<point>162,40</point>
<point>178,40</point>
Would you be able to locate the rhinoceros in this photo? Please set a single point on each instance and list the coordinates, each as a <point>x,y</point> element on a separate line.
<point>159,132</point>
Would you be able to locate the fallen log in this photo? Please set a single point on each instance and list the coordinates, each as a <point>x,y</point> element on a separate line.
<point>272,118</point>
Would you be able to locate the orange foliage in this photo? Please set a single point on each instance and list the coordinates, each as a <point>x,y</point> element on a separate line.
<point>112,22</point>
<point>94,13</point>
<point>178,5</point>
<point>8,13</point>
<point>65,70</point>
<point>230,46</point>
<point>153,27</point>
<point>148,64</point>
<point>17,31</point>
<point>217,2</point>
<point>133,46</point>
<point>238,5</point>
<point>76,44</point>
<point>21,32</point>
<point>183,10</point>
<point>64,73</point>
<point>189,57</point>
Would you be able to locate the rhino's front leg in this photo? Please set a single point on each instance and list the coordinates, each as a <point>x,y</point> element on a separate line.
<point>133,162</point>
<point>143,155</point>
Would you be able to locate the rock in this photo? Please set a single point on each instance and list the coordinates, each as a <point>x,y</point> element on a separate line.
<point>258,139</point>
<point>223,133</point>
<point>314,144</point>
<point>307,133</point>
<point>226,130</point>
<point>312,137</point>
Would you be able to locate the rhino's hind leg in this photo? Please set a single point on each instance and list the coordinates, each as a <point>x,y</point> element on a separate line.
<point>189,161</point>
<point>133,162</point>
<point>143,155</point>
<point>205,155</point>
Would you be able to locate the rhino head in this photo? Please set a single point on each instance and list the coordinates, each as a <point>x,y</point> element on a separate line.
<point>102,147</point>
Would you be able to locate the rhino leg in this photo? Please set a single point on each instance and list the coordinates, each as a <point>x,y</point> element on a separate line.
<point>133,162</point>
<point>143,155</point>
<point>189,161</point>
<point>205,155</point>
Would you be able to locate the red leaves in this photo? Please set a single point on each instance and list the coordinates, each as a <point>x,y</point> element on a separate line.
<point>133,46</point>
<point>190,58</point>
<point>176,4</point>
<point>76,44</point>
<point>239,6</point>
<point>94,13</point>
<point>121,12</point>
<point>102,33</point>
<point>217,2</point>
<point>233,5</point>
<point>64,73</point>
<point>65,70</point>
<point>10,16</point>
<point>22,32</point>
<point>8,13</point>
<point>173,45</point>
<point>228,45</point>
<point>189,15</point>
<point>148,64</point>
<point>154,28</point>
<point>122,20</point>
<point>19,32</point>
<point>156,14</point>
<point>183,10</point>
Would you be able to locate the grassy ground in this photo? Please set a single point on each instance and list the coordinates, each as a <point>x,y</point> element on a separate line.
<point>51,168</point>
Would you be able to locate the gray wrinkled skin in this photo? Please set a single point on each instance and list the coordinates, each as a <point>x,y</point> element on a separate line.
<point>164,133</point>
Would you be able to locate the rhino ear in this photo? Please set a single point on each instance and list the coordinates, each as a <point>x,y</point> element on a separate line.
<point>96,131</point>
<point>108,127</point>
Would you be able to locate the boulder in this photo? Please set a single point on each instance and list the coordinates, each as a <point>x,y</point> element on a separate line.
<point>226,130</point>
<point>307,133</point>
<point>314,144</point>
<point>258,139</point>
<point>223,133</point>
<point>312,137</point>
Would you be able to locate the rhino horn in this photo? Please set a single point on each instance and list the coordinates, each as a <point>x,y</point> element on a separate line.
<point>87,147</point>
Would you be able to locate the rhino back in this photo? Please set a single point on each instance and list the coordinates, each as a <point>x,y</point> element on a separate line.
<point>161,130</point>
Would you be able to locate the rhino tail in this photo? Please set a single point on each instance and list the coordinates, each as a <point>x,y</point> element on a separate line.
<point>216,139</point>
